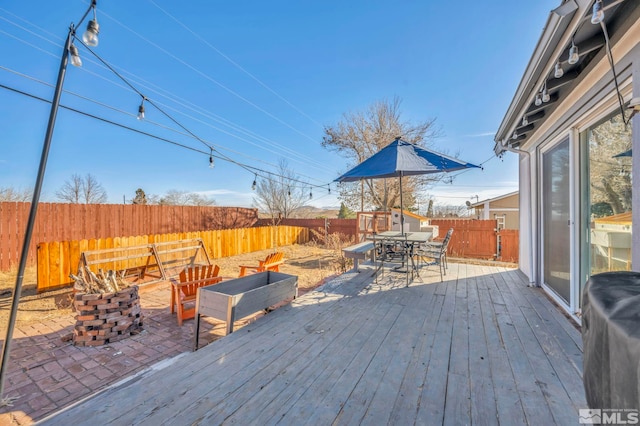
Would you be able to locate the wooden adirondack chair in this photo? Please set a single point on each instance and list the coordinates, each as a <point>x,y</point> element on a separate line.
<point>271,263</point>
<point>184,290</point>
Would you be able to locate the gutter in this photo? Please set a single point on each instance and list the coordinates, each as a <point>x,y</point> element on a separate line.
<point>506,147</point>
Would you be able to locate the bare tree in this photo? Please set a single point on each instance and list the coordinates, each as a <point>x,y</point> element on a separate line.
<point>176,197</point>
<point>140,198</point>
<point>15,194</point>
<point>82,190</point>
<point>450,211</point>
<point>609,176</point>
<point>280,195</point>
<point>359,135</point>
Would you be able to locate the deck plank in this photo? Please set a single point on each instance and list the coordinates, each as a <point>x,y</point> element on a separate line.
<point>483,399</point>
<point>458,395</point>
<point>432,399</point>
<point>406,402</point>
<point>397,355</point>
<point>535,405</point>
<point>242,382</point>
<point>546,377</point>
<point>508,405</point>
<point>306,369</point>
<point>478,348</point>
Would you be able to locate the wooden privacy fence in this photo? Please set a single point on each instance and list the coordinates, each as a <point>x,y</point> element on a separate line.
<point>332,226</point>
<point>67,222</point>
<point>509,245</point>
<point>478,239</point>
<point>56,260</point>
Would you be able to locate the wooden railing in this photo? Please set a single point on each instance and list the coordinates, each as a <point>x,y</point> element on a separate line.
<point>56,260</point>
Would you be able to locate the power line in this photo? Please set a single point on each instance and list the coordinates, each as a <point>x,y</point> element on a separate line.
<point>208,145</point>
<point>265,174</point>
<point>31,78</point>
<point>172,97</point>
<point>208,77</point>
<point>234,63</point>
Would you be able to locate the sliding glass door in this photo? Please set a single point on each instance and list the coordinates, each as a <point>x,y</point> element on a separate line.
<point>556,219</point>
<point>606,204</point>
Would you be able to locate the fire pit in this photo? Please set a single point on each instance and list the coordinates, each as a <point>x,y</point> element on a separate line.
<point>106,317</point>
<point>108,309</point>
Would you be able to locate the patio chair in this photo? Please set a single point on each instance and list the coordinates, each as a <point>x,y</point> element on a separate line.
<point>430,254</point>
<point>271,263</point>
<point>436,245</point>
<point>185,289</point>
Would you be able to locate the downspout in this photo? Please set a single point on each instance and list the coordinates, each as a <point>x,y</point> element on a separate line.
<point>506,147</point>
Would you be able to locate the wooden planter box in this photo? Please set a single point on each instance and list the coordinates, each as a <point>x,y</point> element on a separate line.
<point>244,296</point>
<point>107,317</point>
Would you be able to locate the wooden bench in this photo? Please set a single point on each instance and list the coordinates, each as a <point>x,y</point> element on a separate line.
<point>271,263</point>
<point>359,252</point>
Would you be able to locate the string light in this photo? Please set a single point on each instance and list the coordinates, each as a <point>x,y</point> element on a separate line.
<point>558,71</point>
<point>289,192</point>
<point>538,100</point>
<point>573,54</point>
<point>545,94</point>
<point>598,12</point>
<point>329,188</point>
<point>90,36</point>
<point>211,162</point>
<point>254,184</point>
<point>310,193</point>
<point>525,121</point>
<point>75,56</point>
<point>141,109</point>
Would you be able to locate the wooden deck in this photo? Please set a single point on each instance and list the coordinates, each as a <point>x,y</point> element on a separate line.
<point>480,348</point>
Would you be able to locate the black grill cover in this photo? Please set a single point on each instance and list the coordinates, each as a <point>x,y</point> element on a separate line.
<point>611,340</point>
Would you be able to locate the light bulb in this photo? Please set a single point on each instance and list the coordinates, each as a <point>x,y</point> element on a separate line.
<point>558,71</point>
<point>598,13</point>
<point>545,94</point>
<point>524,120</point>
<point>538,100</point>
<point>211,163</point>
<point>515,136</point>
<point>75,56</point>
<point>90,37</point>
<point>310,195</point>
<point>141,112</point>
<point>573,54</point>
<point>253,186</point>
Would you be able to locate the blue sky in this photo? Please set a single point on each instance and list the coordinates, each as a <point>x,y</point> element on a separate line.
<point>258,81</point>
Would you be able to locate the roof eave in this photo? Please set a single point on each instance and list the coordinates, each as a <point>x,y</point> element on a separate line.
<point>541,61</point>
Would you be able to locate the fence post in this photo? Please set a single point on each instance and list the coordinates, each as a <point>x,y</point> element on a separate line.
<point>326,232</point>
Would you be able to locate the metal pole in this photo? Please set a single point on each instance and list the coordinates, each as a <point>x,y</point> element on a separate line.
<point>34,208</point>
<point>401,208</point>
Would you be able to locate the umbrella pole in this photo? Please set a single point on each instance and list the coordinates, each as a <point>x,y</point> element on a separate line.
<point>401,208</point>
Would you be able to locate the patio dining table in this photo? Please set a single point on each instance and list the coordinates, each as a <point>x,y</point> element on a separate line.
<point>410,239</point>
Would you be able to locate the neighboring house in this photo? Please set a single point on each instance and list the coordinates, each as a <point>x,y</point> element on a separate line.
<point>567,122</point>
<point>504,209</point>
<point>412,222</point>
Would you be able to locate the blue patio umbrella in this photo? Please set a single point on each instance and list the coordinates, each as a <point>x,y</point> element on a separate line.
<point>624,154</point>
<point>399,159</point>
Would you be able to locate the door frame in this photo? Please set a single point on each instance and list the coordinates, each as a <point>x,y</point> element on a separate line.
<point>570,136</point>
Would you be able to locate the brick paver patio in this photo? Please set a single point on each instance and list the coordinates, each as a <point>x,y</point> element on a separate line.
<point>47,372</point>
